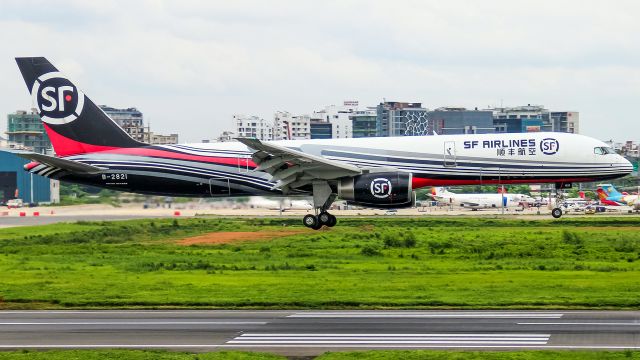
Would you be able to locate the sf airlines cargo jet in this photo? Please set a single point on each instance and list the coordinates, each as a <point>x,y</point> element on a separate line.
<point>374,172</point>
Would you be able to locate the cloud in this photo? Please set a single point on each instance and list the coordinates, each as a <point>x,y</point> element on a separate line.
<point>190,65</point>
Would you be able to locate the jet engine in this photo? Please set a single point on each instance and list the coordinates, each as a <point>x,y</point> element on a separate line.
<point>378,190</point>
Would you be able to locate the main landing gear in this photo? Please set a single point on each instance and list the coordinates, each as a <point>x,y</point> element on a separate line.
<point>316,222</point>
<point>556,212</point>
<point>323,197</point>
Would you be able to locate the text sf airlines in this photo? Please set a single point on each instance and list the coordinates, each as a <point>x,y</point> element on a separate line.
<point>374,172</point>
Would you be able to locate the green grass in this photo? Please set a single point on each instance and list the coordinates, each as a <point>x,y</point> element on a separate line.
<point>362,263</point>
<point>463,355</point>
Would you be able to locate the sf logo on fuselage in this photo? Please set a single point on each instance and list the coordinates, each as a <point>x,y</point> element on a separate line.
<point>58,100</point>
<point>381,188</point>
<point>549,146</point>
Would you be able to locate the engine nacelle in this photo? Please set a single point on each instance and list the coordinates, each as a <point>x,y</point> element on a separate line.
<point>378,190</point>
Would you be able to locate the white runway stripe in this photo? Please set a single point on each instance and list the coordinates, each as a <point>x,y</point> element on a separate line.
<point>426,315</point>
<point>459,339</point>
<point>398,335</point>
<point>423,342</point>
<point>583,323</point>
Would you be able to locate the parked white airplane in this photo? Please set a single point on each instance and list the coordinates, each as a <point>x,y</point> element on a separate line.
<point>481,200</point>
<point>284,204</point>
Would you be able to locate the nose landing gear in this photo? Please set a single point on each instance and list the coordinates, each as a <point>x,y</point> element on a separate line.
<point>556,212</point>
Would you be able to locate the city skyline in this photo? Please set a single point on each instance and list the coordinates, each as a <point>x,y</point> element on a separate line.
<point>190,66</point>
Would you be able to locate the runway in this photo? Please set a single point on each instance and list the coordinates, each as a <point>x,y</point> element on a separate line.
<point>314,332</point>
<point>13,221</point>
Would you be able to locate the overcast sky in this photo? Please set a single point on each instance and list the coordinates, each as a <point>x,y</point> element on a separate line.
<point>189,65</point>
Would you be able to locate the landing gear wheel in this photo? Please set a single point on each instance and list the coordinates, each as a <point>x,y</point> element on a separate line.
<point>556,213</point>
<point>332,221</point>
<point>310,221</point>
<point>324,218</point>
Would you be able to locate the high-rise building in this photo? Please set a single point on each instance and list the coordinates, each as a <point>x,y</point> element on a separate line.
<point>290,127</point>
<point>321,129</point>
<point>281,128</point>
<point>253,126</point>
<point>158,139</point>
<point>130,120</point>
<point>534,118</point>
<point>564,121</point>
<point>402,119</point>
<point>450,121</point>
<point>363,123</point>
<point>338,116</point>
<point>25,130</point>
<point>520,119</point>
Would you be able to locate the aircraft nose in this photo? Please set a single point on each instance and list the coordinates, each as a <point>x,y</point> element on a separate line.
<point>625,164</point>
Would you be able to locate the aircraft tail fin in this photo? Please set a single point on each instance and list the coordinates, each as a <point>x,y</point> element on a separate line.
<point>438,191</point>
<point>602,195</point>
<point>75,124</point>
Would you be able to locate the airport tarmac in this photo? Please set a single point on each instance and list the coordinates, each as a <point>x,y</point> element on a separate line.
<point>306,333</point>
<point>99,212</point>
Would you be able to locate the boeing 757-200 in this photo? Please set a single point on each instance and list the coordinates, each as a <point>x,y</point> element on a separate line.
<point>378,172</point>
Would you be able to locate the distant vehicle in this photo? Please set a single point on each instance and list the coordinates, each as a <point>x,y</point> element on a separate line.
<point>481,200</point>
<point>15,203</point>
<point>375,172</point>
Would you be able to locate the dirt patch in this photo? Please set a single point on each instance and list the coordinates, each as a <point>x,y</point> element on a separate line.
<point>228,237</point>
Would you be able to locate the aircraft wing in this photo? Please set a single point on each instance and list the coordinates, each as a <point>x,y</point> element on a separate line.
<point>42,161</point>
<point>292,168</point>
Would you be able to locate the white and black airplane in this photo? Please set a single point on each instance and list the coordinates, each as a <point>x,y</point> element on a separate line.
<point>374,172</point>
<point>481,200</point>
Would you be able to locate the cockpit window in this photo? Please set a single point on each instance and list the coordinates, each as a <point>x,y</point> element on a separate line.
<point>603,150</point>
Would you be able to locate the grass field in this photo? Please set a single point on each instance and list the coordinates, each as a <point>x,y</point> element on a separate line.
<point>362,263</point>
<point>364,355</point>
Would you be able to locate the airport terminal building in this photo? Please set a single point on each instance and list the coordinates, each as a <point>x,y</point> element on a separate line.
<point>16,183</point>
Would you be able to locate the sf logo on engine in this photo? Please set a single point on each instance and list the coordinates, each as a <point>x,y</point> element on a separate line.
<point>58,100</point>
<point>381,188</point>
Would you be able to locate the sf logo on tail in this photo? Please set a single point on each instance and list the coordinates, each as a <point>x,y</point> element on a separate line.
<point>58,100</point>
<point>381,188</point>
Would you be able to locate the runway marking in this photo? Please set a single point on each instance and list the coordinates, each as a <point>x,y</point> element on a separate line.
<point>583,323</point>
<point>547,347</point>
<point>138,323</point>
<point>424,315</point>
<point>346,340</point>
<point>392,335</point>
<point>183,346</point>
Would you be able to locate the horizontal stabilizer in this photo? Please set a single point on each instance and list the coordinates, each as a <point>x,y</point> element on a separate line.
<point>64,164</point>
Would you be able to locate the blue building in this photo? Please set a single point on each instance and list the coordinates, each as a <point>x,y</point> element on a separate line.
<point>402,119</point>
<point>451,121</point>
<point>321,129</point>
<point>15,182</point>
